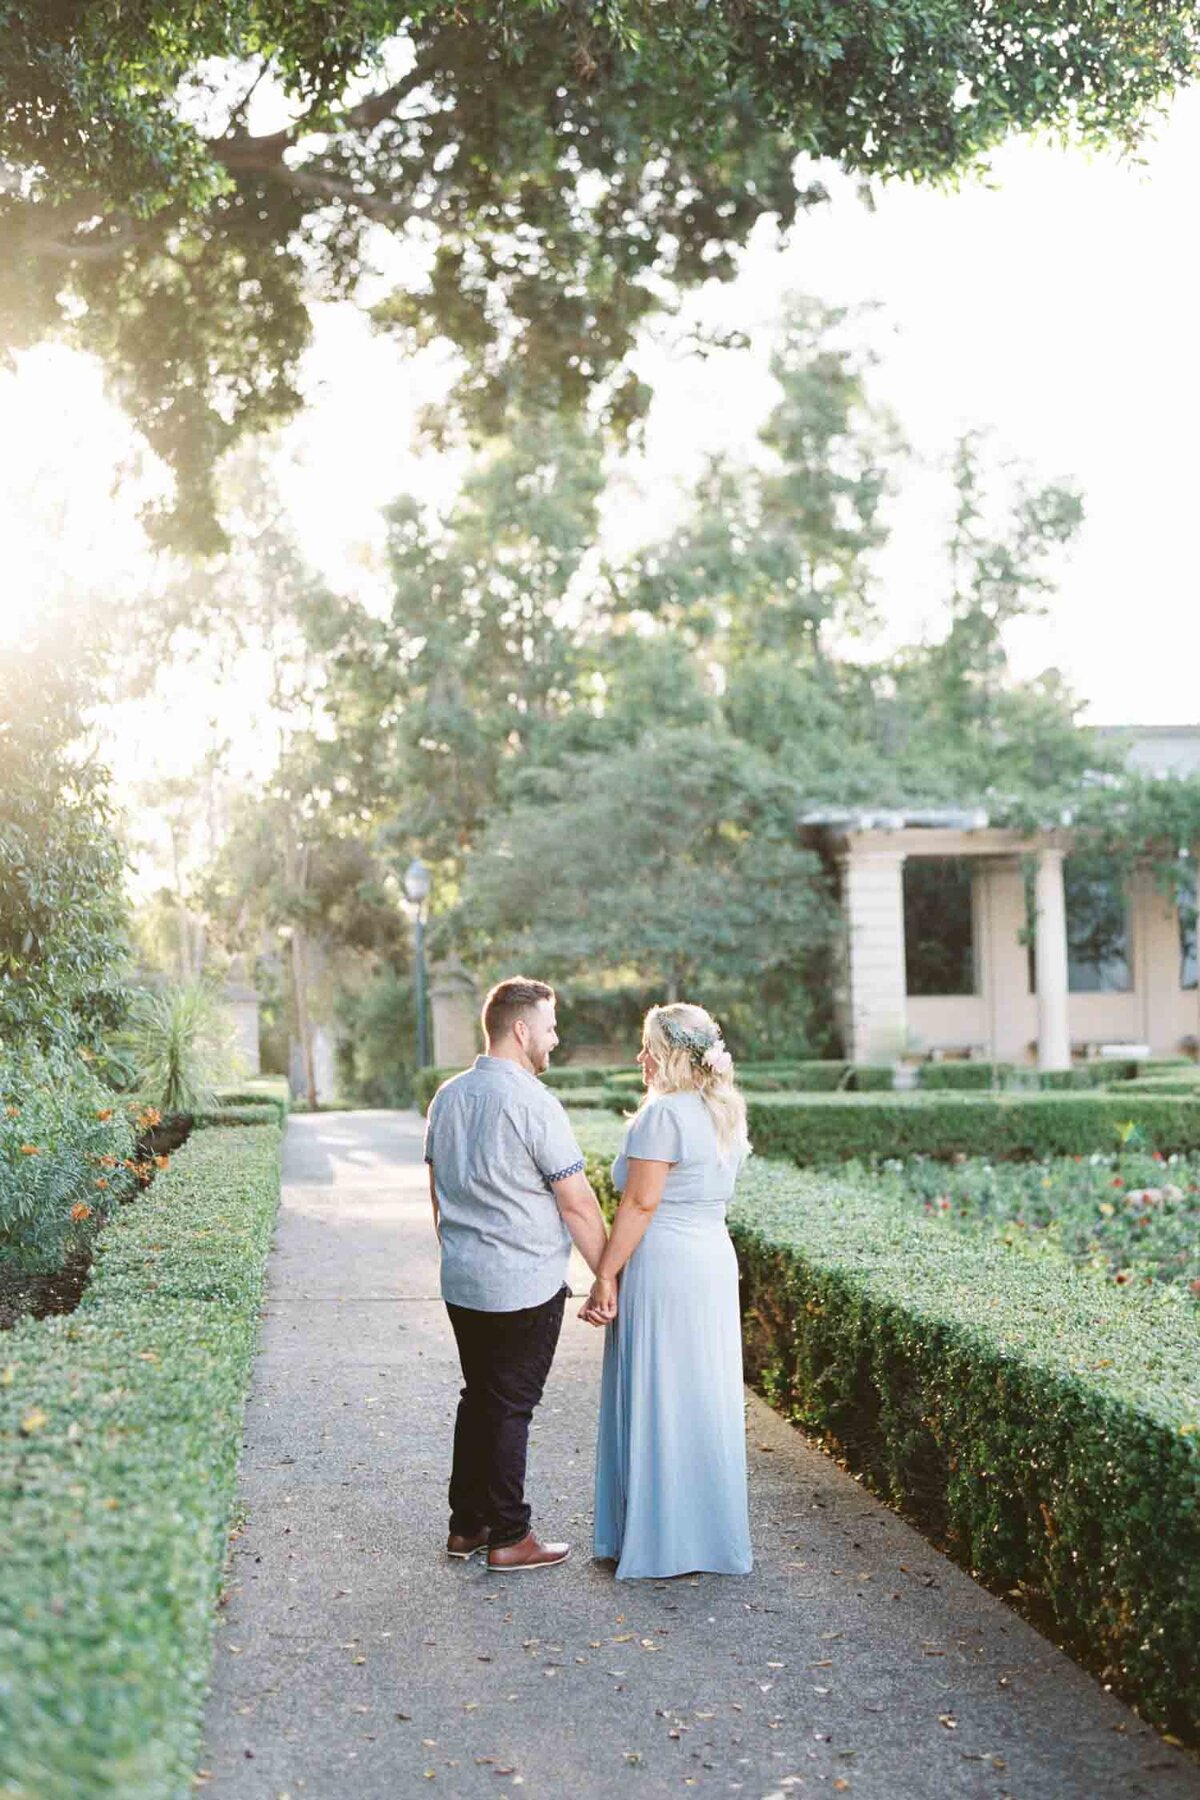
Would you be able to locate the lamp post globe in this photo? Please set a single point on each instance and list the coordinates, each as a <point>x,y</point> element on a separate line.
<point>417,881</point>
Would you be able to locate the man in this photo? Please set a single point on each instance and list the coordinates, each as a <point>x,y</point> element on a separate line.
<point>509,1194</point>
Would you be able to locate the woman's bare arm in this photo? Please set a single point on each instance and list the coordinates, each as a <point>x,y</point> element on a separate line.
<point>643,1191</point>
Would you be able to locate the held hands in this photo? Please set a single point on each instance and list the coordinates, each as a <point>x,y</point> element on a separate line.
<point>600,1307</point>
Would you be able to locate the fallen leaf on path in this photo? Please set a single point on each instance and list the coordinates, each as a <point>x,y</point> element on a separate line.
<point>948,1720</point>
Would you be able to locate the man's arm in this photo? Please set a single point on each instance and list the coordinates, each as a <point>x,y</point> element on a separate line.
<point>580,1209</point>
<point>437,1211</point>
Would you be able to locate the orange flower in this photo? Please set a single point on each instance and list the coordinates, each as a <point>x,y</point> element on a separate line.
<point>80,1211</point>
<point>106,1162</point>
<point>102,1183</point>
<point>162,1162</point>
<point>29,1150</point>
<point>13,1112</point>
<point>106,1112</point>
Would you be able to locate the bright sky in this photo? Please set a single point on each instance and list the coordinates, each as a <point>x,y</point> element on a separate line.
<point>1057,308</point>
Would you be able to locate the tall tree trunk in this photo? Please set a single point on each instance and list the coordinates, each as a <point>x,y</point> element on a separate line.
<point>296,879</point>
<point>300,981</point>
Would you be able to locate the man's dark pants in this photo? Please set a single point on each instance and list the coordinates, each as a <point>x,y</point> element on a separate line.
<point>505,1359</point>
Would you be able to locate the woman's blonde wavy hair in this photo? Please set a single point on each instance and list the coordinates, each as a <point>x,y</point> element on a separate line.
<point>678,1036</point>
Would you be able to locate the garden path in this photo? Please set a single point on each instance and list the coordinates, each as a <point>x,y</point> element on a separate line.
<point>353,1659</point>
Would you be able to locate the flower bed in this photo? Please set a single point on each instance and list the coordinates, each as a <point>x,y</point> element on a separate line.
<point>1041,1427</point>
<point>1134,1216</point>
<point>120,1427</point>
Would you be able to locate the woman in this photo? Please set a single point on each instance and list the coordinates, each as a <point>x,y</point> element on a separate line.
<point>671,1458</point>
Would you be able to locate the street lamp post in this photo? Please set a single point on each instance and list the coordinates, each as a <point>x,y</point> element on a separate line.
<point>417,883</point>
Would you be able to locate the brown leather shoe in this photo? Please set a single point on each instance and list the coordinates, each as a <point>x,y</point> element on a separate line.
<point>458,1545</point>
<point>527,1553</point>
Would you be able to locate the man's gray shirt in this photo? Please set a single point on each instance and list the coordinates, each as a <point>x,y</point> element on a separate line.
<point>496,1140</point>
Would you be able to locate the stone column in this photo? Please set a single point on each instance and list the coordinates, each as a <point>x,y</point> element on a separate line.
<point>873,900</point>
<point>1005,959</point>
<point>1050,961</point>
<point>454,1003</point>
<point>242,1001</point>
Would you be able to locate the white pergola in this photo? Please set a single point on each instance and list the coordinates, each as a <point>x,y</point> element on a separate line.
<point>1003,1019</point>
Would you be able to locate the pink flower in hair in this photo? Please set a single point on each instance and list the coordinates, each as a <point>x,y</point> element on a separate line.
<point>718,1059</point>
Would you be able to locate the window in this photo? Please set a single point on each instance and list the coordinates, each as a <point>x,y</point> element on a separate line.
<point>1097,928</point>
<point>939,926</point>
<point>1098,960</point>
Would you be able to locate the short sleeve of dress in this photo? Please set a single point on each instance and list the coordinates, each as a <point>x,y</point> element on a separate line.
<point>655,1134</point>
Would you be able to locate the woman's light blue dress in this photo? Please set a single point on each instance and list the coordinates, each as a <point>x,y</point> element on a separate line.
<point>671,1457</point>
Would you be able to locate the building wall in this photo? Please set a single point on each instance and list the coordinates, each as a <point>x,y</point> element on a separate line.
<point>1001,1020</point>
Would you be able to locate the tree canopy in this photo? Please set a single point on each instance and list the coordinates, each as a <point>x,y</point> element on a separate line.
<point>63,906</point>
<point>550,173</point>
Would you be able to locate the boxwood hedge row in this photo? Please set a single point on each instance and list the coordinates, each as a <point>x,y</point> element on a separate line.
<point>1041,1427</point>
<point>827,1128</point>
<point>120,1427</point>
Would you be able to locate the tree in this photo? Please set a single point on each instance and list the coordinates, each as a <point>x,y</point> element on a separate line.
<point>475,657</point>
<point>958,726</point>
<point>676,859</point>
<point>556,167</point>
<point>771,559</point>
<point>63,906</point>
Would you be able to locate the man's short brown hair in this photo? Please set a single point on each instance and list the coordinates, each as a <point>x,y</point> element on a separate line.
<point>511,1000</point>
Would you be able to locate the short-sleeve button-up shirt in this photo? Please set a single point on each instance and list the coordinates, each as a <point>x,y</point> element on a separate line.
<point>497,1139</point>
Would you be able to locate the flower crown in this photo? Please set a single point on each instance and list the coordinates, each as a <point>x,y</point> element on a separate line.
<point>703,1043</point>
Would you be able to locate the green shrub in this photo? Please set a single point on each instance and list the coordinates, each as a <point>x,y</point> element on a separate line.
<point>589,1089</point>
<point>825,1128</point>
<point>963,1075</point>
<point>377,1037</point>
<point>1162,1084</point>
<point>798,1077</point>
<point>120,1426</point>
<point>1081,1075</point>
<point>66,1143</point>
<point>264,1113</point>
<point>63,905</point>
<point>586,1076</point>
<point>263,1090</point>
<point>182,1040</point>
<point>1043,1427</point>
<point>870,1078</point>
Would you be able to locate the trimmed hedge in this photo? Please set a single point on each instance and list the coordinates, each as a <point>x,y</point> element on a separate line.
<point>267,1090</point>
<point>973,1076</point>
<point>120,1427</point>
<point>1163,1084</point>
<point>1042,1427</point>
<point>590,1089</point>
<point>253,1114</point>
<point>825,1128</point>
<point>581,1076</point>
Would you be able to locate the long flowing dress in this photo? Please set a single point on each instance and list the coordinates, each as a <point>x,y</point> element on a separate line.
<point>671,1456</point>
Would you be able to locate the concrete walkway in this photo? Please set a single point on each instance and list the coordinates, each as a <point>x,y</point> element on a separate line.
<point>354,1660</point>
